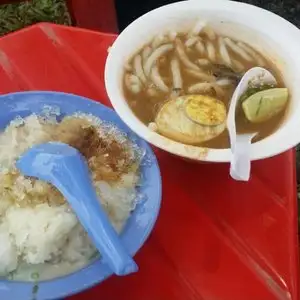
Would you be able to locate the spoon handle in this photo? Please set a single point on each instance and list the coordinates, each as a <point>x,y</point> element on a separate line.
<point>73,181</point>
<point>241,163</point>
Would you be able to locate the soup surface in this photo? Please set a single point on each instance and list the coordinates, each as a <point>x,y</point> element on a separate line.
<point>163,76</point>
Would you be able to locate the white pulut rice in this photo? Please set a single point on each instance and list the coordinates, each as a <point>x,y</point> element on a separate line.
<point>45,240</point>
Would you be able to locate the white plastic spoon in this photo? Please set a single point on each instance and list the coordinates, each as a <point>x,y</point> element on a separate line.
<point>240,164</point>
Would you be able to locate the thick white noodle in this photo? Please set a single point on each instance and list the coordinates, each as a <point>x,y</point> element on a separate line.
<point>203,87</point>
<point>133,83</point>
<point>135,89</point>
<point>146,53</point>
<point>201,75</point>
<point>237,65</point>
<point>172,35</point>
<point>174,94</point>
<point>223,82</point>
<point>176,74</point>
<point>260,61</point>
<point>238,50</point>
<point>138,68</point>
<point>203,62</point>
<point>128,67</point>
<point>183,57</point>
<point>196,30</point>
<point>209,33</point>
<point>157,53</point>
<point>219,91</point>
<point>200,47</point>
<point>211,51</point>
<point>191,41</point>
<point>159,40</point>
<point>157,80</point>
<point>223,52</point>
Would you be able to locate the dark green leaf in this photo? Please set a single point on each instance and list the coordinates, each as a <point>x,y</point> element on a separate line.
<point>18,15</point>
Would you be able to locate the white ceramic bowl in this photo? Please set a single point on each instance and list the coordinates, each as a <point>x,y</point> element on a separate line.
<point>272,35</point>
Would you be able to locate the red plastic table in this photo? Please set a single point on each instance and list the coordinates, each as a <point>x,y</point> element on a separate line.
<point>215,239</point>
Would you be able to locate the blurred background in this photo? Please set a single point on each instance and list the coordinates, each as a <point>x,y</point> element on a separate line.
<point>16,14</point>
<point>130,9</point>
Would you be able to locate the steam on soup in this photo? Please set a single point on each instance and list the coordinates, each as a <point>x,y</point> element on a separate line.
<point>181,84</point>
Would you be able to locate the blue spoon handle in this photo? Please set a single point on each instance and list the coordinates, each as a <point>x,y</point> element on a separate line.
<point>76,186</point>
<point>67,170</point>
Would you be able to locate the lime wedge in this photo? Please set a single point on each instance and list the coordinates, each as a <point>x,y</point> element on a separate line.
<point>205,110</point>
<point>266,104</point>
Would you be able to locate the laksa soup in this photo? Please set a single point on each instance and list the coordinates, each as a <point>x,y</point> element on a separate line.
<point>180,84</point>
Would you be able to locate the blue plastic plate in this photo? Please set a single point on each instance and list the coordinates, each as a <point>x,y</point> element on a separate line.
<point>141,221</point>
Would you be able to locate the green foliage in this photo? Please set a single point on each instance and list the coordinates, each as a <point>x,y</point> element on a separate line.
<point>18,15</point>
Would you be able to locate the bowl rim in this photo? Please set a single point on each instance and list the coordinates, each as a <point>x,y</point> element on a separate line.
<point>268,147</point>
<point>96,271</point>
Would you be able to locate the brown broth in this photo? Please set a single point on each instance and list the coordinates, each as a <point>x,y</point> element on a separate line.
<point>145,107</point>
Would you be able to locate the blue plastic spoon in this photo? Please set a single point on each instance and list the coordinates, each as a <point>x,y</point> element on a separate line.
<point>64,167</point>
